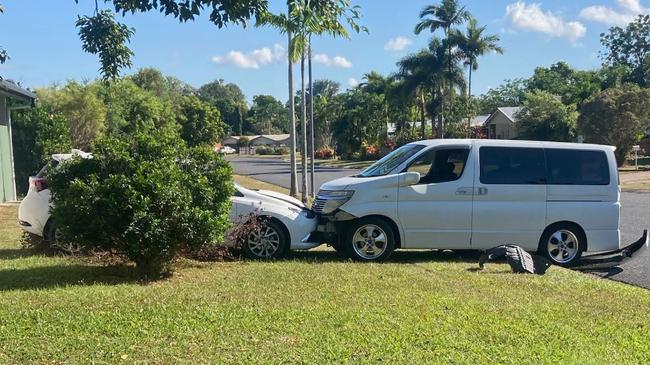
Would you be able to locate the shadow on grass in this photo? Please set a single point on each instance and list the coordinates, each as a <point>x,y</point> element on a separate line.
<point>17,253</point>
<point>399,256</point>
<point>45,277</point>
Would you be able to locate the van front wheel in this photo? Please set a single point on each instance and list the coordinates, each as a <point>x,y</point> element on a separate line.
<point>370,239</point>
<point>563,243</point>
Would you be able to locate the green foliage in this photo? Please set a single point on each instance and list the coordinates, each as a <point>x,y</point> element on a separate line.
<point>3,54</point>
<point>167,88</point>
<point>130,108</point>
<point>36,135</point>
<point>617,117</point>
<point>81,106</point>
<point>220,12</point>
<point>230,101</point>
<point>200,122</point>
<point>101,34</point>
<point>544,118</point>
<point>511,93</point>
<point>573,87</point>
<point>630,47</point>
<point>243,142</point>
<point>324,111</point>
<point>145,197</point>
<point>268,150</point>
<point>360,120</point>
<point>267,115</point>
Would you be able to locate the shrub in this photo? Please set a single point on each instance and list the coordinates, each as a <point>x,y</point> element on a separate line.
<point>281,151</point>
<point>325,153</point>
<point>146,197</point>
<point>264,150</point>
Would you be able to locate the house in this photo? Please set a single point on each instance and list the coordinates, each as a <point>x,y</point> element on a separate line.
<point>271,140</point>
<point>502,123</point>
<point>12,97</point>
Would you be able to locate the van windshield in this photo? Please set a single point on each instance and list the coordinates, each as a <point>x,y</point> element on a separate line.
<point>391,161</point>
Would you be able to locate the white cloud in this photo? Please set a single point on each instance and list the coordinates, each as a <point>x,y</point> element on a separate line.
<point>254,59</point>
<point>532,17</point>
<point>336,61</point>
<point>628,10</point>
<point>353,82</point>
<point>398,44</point>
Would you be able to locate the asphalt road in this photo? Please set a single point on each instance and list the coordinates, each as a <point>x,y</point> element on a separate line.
<point>635,212</point>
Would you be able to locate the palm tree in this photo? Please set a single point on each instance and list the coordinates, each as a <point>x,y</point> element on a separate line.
<point>426,70</point>
<point>443,16</point>
<point>472,45</point>
<point>375,83</point>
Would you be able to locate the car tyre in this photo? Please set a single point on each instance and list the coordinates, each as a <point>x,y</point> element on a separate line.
<point>53,238</point>
<point>563,244</point>
<point>369,240</point>
<point>271,241</point>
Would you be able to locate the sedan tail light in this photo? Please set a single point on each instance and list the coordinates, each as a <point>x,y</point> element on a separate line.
<point>38,183</point>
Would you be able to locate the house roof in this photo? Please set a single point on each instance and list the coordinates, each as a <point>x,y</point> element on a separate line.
<point>274,137</point>
<point>478,120</point>
<point>12,90</point>
<point>508,111</point>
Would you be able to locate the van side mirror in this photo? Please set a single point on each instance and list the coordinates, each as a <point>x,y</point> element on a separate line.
<point>409,178</point>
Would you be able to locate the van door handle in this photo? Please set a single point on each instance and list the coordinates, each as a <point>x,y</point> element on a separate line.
<point>481,191</point>
<point>464,191</point>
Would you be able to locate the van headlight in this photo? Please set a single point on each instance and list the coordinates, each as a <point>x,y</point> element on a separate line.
<point>327,201</point>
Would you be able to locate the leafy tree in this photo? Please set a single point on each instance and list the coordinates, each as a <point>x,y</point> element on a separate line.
<point>230,101</point>
<point>131,109</point>
<point>630,47</point>
<point>511,93</point>
<point>101,34</point>
<point>267,115</point>
<point>36,135</point>
<point>145,197</point>
<point>325,92</point>
<point>359,121</point>
<point>81,106</point>
<point>618,117</point>
<point>544,118</point>
<point>200,122</point>
<point>167,88</point>
<point>573,87</point>
<point>472,45</point>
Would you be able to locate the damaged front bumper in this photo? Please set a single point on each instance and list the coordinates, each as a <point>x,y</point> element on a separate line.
<point>610,259</point>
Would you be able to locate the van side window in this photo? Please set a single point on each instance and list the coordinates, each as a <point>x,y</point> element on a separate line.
<point>512,165</point>
<point>577,167</point>
<point>440,165</point>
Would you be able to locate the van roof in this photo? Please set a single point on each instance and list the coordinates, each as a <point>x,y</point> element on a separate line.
<point>514,143</point>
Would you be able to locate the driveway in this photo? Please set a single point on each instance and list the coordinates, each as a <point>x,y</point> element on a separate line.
<point>635,212</point>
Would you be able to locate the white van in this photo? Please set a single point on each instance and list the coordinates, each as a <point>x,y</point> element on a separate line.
<point>560,199</point>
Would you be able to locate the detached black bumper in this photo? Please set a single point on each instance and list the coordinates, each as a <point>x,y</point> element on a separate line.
<point>610,259</point>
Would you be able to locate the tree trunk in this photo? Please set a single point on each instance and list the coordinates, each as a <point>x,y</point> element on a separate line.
<point>303,129</point>
<point>469,98</point>
<point>422,116</point>
<point>312,190</point>
<point>292,126</point>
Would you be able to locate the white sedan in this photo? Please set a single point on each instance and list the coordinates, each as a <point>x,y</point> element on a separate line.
<point>287,223</point>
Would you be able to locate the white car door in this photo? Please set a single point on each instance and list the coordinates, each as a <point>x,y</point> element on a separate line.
<point>509,196</point>
<point>437,212</point>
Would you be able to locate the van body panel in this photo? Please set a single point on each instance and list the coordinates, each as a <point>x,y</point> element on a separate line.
<point>507,213</point>
<point>438,214</point>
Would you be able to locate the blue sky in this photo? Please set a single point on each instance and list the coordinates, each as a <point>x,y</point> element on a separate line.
<point>44,47</point>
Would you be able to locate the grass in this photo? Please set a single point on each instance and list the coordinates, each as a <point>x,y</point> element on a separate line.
<point>251,183</point>
<point>421,307</point>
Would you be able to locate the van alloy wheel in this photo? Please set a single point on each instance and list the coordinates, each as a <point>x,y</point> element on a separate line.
<point>264,243</point>
<point>369,241</point>
<point>563,246</point>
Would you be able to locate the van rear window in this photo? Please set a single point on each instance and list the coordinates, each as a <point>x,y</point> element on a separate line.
<point>577,167</point>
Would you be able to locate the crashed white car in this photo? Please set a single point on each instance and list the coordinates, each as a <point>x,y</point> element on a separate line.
<point>287,223</point>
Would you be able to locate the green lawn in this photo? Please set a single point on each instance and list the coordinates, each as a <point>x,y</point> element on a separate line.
<point>313,308</point>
